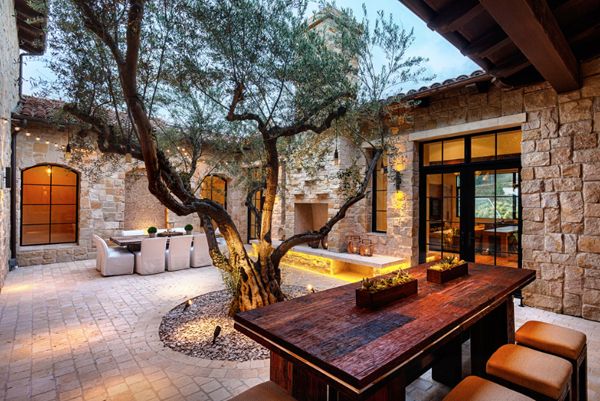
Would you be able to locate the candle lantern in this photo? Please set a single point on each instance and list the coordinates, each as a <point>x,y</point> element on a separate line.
<point>353,244</point>
<point>366,247</point>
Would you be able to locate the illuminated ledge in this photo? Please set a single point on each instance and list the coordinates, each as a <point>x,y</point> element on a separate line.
<point>375,261</point>
<point>330,262</point>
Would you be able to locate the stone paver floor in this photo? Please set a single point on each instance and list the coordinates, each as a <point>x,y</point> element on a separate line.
<point>68,334</point>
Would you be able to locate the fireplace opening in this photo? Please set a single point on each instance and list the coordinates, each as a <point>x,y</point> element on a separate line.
<point>309,216</point>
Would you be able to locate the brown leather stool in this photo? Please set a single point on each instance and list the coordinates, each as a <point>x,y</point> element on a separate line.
<point>267,391</point>
<point>534,373</point>
<point>474,388</point>
<point>560,341</point>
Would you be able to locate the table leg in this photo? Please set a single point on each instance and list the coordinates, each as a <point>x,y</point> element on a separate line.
<point>296,380</point>
<point>448,368</point>
<point>491,332</point>
<point>304,385</point>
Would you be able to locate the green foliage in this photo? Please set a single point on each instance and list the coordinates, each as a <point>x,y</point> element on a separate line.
<point>350,180</point>
<point>232,280</point>
<point>188,227</point>
<point>447,263</point>
<point>152,230</point>
<point>377,284</point>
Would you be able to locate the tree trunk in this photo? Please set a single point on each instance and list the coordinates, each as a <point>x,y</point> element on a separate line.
<point>256,287</point>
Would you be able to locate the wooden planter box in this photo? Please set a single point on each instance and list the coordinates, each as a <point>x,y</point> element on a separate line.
<point>441,277</point>
<point>367,299</point>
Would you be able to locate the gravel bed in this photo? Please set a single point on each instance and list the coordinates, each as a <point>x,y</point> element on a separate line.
<point>191,331</point>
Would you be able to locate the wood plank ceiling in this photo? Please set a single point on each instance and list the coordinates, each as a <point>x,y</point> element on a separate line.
<point>31,25</point>
<point>519,42</point>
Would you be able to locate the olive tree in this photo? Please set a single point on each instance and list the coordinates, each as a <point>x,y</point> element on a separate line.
<point>160,80</point>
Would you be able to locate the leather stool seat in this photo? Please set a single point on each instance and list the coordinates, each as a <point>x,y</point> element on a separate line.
<point>552,339</point>
<point>533,370</point>
<point>267,391</point>
<point>473,388</point>
<point>560,341</point>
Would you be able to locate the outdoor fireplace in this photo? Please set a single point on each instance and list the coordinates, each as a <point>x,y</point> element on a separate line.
<point>308,217</point>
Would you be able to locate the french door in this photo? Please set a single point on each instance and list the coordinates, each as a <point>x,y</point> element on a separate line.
<point>470,206</point>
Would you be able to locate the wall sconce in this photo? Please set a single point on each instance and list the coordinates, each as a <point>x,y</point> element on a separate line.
<point>397,180</point>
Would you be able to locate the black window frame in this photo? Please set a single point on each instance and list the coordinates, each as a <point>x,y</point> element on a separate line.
<point>497,163</point>
<point>211,187</point>
<point>50,224</point>
<point>376,192</point>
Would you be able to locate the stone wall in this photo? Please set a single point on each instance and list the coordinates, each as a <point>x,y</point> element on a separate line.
<point>9,96</point>
<point>561,196</point>
<point>320,184</point>
<point>114,199</point>
<point>101,200</point>
<point>560,183</point>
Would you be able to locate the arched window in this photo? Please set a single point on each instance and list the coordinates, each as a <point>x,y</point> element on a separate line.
<point>214,188</point>
<point>49,205</point>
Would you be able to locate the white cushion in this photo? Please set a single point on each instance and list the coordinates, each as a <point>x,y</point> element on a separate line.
<point>200,253</point>
<point>112,261</point>
<point>151,258</point>
<point>178,255</point>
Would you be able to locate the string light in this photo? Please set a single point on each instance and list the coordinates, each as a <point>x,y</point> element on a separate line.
<point>26,134</point>
<point>68,153</point>
<point>37,138</point>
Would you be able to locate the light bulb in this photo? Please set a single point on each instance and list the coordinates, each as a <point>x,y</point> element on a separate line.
<point>68,152</point>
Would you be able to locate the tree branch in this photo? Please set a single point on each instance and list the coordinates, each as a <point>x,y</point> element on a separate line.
<point>303,127</point>
<point>238,97</point>
<point>302,238</point>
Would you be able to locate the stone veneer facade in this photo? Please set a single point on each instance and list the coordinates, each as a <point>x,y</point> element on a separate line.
<point>9,95</point>
<point>560,189</point>
<point>118,199</point>
<point>560,186</point>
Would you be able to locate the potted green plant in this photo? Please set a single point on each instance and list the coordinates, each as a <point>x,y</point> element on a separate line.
<point>152,231</point>
<point>188,229</point>
<point>448,268</point>
<point>375,292</point>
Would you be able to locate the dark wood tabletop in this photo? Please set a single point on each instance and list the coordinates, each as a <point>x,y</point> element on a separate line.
<point>128,240</point>
<point>359,346</point>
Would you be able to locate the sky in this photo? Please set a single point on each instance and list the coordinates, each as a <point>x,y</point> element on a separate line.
<point>444,60</point>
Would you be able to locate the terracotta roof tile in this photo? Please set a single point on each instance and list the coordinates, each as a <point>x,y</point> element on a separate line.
<point>37,108</point>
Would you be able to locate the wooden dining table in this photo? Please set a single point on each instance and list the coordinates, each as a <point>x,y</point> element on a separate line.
<point>134,242</point>
<point>323,347</point>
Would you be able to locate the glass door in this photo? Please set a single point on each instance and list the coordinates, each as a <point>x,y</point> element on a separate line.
<point>497,217</point>
<point>469,201</point>
<point>443,226</point>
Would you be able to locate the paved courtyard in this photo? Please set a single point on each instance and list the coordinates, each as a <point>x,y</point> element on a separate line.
<point>66,333</point>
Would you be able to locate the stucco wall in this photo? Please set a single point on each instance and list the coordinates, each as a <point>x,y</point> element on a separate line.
<point>9,93</point>
<point>142,209</point>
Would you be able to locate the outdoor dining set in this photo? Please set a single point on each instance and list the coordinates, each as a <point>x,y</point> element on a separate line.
<point>137,252</point>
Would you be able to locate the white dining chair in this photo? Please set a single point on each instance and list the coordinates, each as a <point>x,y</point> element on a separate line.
<point>200,254</point>
<point>178,254</point>
<point>112,261</point>
<point>151,258</point>
<point>127,233</point>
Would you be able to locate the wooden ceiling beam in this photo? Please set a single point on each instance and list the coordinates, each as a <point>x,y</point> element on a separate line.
<point>456,15</point>
<point>511,66</point>
<point>532,27</point>
<point>487,44</point>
